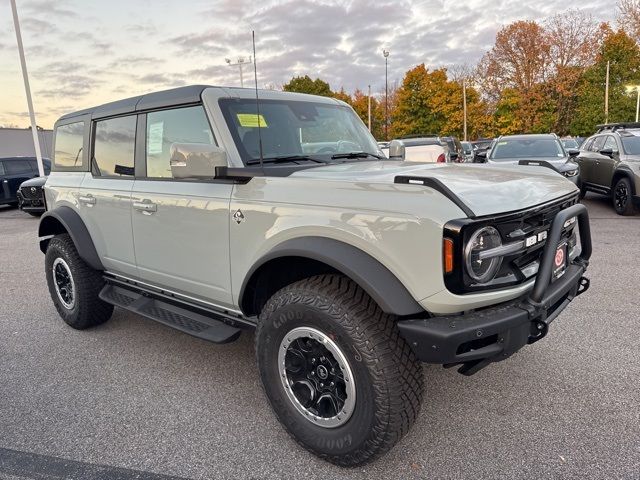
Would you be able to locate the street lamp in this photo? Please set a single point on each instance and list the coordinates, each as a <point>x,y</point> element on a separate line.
<point>385,53</point>
<point>635,88</point>
<point>240,63</point>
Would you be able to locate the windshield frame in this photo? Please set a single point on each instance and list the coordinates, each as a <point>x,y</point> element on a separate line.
<point>361,133</point>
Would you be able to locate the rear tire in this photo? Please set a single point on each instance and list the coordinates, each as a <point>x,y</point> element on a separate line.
<point>331,313</point>
<point>622,197</point>
<point>74,286</point>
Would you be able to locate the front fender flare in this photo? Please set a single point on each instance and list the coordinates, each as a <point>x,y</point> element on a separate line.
<point>67,218</point>
<point>376,279</point>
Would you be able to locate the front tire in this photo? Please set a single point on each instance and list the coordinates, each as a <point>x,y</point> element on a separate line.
<point>622,197</point>
<point>338,374</point>
<point>74,286</point>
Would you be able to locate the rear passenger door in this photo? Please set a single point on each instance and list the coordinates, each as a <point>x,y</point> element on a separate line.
<point>180,226</point>
<point>104,198</point>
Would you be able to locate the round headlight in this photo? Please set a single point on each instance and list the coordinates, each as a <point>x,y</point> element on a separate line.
<point>482,270</point>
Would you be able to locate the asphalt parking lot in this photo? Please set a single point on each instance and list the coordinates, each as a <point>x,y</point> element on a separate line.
<point>134,399</point>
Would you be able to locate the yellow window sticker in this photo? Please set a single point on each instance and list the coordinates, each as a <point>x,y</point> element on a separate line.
<point>250,120</point>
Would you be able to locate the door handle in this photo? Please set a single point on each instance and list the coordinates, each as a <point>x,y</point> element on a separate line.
<point>88,200</point>
<point>146,206</point>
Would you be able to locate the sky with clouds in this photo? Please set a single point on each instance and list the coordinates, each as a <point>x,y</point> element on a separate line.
<point>82,53</point>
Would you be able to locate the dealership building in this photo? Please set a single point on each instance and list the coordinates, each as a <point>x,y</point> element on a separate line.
<point>18,142</point>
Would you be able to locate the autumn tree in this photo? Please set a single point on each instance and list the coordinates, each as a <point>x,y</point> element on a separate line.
<point>573,39</point>
<point>429,103</point>
<point>307,85</point>
<point>519,59</point>
<point>623,54</point>
<point>629,18</point>
<point>360,103</point>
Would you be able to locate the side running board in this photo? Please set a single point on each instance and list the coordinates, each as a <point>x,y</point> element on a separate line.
<point>187,321</point>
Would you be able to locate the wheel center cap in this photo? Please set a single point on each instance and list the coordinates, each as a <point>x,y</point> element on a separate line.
<point>322,372</point>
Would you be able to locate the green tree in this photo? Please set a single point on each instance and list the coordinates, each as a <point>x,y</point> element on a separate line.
<point>623,54</point>
<point>307,85</point>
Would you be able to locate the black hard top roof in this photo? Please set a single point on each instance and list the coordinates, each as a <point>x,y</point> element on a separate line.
<point>9,159</point>
<point>148,101</point>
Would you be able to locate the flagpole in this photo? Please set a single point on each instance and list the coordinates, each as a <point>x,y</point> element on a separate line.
<point>25,76</point>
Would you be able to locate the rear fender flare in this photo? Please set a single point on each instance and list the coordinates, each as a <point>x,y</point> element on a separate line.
<point>66,220</point>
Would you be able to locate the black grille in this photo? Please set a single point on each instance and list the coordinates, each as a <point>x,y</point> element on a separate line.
<point>31,193</point>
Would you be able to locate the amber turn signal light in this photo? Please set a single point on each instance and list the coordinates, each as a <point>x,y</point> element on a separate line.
<point>447,255</point>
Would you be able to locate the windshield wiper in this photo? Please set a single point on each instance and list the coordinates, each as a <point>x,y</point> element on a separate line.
<point>356,155</point>
<point>285,159</point>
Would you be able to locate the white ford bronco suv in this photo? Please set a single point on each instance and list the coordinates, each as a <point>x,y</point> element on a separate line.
<point>211,211</point>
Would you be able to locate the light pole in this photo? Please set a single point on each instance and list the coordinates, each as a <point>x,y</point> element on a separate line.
<point>240,63</point>
<point>385,52</point>
<point>27,88</point>
<point>631,89</point>
<point>464,106</point>
<point>369,108</point>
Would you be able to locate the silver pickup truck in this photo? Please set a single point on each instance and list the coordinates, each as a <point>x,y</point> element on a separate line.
<point>212,211</point>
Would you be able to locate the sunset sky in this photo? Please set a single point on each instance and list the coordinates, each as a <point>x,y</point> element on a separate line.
<point>84,52</point>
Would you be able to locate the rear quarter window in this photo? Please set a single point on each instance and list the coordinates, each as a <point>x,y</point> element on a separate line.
<point>68,152</point>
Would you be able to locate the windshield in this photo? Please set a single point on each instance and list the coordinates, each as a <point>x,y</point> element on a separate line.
<point>291,128</point>
<point>511,148</point>
<point>570,143</point>
<point>631,145</point>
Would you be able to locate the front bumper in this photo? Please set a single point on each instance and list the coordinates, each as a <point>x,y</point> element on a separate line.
<point>479,338</point>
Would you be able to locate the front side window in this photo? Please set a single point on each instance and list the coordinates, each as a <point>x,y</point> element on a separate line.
<point>610,142</point>
<point>290,128</point>
<point>527,148</point>
<point>597,145</point>
<point>114,147</point>
<point>68,145</point>
<point>16,167</point>
<point>164,128</point>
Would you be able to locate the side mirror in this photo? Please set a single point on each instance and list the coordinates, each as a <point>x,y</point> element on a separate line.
<point>196,160</point>
<point>607,152</point>
<point>396,150</point>
<point>573,152</point>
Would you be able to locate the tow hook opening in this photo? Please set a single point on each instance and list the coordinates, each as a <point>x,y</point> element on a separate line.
<point>474,345</point>
<point>583,285</point>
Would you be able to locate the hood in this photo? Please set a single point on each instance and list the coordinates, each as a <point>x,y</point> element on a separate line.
<point>485,190</point>
<point>34,182</point>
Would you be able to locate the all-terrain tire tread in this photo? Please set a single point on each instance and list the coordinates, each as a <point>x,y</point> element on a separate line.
<point>91,310</point>
<point>398,379</point>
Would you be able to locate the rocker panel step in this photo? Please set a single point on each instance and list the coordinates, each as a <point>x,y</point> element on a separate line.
<point>186,321</point>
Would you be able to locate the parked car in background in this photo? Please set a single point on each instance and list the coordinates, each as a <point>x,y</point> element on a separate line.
<point>540,150</point>
<point>610,165</point>
<point>429,149</point>
<point>31,196</point>
<point>467,150</point>
<point>481,145</point>
<point>454,147</point>
<point>14,171</point>
<point>569,142</point>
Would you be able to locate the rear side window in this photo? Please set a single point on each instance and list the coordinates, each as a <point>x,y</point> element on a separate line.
<point>1,168</point>
<point>68,146</point>
<point>16,167</point>
<point>164,128</point>
<point>114,146</point>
